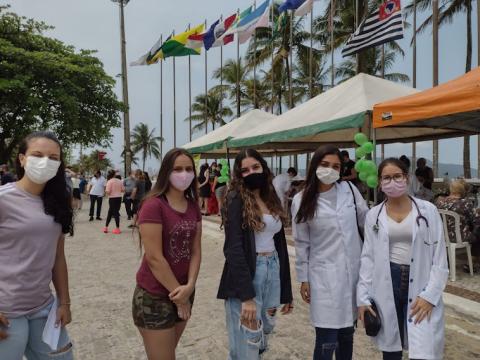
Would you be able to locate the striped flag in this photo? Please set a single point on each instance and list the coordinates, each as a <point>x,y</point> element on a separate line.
<point>382,26</point>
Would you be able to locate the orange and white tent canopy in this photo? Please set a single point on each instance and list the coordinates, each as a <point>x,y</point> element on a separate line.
<point>453,107</point>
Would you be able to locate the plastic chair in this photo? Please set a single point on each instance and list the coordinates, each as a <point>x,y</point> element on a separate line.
<point>454,244</point>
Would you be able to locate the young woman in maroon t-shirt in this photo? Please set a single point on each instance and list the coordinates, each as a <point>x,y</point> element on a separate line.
<point>170,227</point>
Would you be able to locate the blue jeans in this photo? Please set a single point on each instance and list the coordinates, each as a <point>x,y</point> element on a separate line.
<point>400,280</point>
<point>329,341</point>
<point>25,339</point>
<point>245,343</point>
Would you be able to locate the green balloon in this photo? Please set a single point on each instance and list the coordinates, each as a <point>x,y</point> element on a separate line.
<point>360,165</point>
<point>224,171</point>
<point>363,176</point>
<point>223,162</point>
<point>372,181</point>
<point>367,147</point>
<point>359,153</point>
<point>360,138</point>
<point>370,167</point>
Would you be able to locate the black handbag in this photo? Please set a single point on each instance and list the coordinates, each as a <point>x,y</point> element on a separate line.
<point>372,323</point>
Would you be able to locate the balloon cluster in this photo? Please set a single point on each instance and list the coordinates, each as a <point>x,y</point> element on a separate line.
<point>366,169</point>
<point>224,178</point>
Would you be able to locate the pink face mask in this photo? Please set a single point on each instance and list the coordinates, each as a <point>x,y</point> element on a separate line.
<point>181,180</point>
<point>395,189</point>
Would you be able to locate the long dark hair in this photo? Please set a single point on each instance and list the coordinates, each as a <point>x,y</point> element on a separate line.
<point>163,179</point>
<point>57,200</point>
<point>308,204</point>
<point>252,216</point>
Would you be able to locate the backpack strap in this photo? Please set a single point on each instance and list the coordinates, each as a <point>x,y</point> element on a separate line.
<point>356,211</point>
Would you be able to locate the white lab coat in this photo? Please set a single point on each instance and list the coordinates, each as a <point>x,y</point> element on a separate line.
<point>428,277</point>
<point>328,249</point>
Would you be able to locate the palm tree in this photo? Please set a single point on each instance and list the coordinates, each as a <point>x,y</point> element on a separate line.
<point>447,12</point>
<point>373,66</point>
<point>233,72</point>
<point>301,80</point>
<point>144,140</point>
<point>209,110</point>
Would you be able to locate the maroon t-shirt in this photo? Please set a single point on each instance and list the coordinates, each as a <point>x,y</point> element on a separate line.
<point>178,232</point>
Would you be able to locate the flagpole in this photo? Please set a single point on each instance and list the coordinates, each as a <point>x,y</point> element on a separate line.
<point>414,72</point>
<point>238,72</point>
<point>174,103</point>
<point>273,48</point>
<point>357,22</point>
<point>206,88</point>
<point>161,103</point>
<point>290,96</point>
<point>221,74</point>
<point>255,63</point>
<point>332,47</point>
<point>310,70</point>
<point>383,61</point>
<point>435,74</point>
<point>190,92</point>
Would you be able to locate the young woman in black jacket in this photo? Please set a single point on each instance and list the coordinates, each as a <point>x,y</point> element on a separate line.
<point>256,275</point>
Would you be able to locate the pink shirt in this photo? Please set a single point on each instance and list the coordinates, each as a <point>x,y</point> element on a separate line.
<point>178,232</point>
<point>115,188</point>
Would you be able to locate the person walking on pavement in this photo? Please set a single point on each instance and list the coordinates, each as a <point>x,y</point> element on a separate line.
<point>256,275</point>
<point>114,190</point>
<point>96,191</point>
<point>138,194</point>
<point>129,184</point>
<point>35,213</point>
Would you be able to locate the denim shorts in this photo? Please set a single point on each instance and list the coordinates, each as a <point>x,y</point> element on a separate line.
<point>154,312</point>
<point>25,339</point>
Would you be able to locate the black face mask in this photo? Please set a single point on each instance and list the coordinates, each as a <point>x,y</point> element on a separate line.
<point>255,181</point>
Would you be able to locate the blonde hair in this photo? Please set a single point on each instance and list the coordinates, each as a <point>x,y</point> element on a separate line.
<point>459,187</point>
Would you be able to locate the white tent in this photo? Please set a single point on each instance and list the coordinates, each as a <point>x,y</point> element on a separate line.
<point>334,117</point>
<point>215,142</point>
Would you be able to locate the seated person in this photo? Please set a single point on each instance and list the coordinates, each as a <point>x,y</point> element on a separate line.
<point>457,202</point>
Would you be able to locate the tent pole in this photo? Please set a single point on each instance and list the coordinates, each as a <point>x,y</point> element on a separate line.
<point>374,140</point>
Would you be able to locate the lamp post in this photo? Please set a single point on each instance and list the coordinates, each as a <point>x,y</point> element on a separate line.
<point>126,115</point>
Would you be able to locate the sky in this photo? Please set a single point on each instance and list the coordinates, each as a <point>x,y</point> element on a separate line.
<point>94,24</point>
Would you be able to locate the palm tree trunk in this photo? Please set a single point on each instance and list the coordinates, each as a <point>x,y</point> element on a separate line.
<point>467,173</point>
<point>144,158</point>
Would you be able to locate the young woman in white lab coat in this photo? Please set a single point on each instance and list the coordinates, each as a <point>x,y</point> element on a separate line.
<point>404,269</point>
<point>328,248</point>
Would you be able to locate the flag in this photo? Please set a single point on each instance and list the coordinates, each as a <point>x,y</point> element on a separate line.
<point>152,56</point>
<point>382,26</point>
<point>213,37</point>
<point>258,18</point>
<point>233,29</point>
<point>290,5</point>
<point>305,8</point>
<point>176,45</point>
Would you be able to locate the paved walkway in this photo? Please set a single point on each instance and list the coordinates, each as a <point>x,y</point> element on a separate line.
<point>102,277</point>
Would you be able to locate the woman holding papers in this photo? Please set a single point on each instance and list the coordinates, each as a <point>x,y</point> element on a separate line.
<point>35,213</point>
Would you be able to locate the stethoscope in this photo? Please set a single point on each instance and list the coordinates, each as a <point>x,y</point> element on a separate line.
<point>419,216</point>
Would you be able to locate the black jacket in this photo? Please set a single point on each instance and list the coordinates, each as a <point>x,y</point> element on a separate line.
<point>241,257</point>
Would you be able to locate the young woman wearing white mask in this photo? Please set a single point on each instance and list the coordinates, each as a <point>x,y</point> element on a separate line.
<point>170,226</point>
<point>327,219</point>
<point>404,270</point>
<point>35,213</point>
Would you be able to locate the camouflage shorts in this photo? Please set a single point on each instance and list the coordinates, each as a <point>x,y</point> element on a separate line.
<point>154,312</point>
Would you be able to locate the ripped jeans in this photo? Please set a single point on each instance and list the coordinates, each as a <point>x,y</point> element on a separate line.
<point>245,343</point>
<point>25,339</point>
<point>330,341</point>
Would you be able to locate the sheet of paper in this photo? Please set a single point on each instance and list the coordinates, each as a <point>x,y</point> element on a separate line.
<point>51,333</point>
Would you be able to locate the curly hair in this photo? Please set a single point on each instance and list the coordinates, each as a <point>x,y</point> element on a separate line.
<point>252,215</point>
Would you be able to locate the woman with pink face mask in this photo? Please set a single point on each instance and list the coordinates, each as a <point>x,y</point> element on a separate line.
<point>170,226</point>
<point>403,270</point>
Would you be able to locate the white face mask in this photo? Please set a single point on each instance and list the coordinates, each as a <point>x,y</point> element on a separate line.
<point>327,175</point>
<point>41,169</point>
